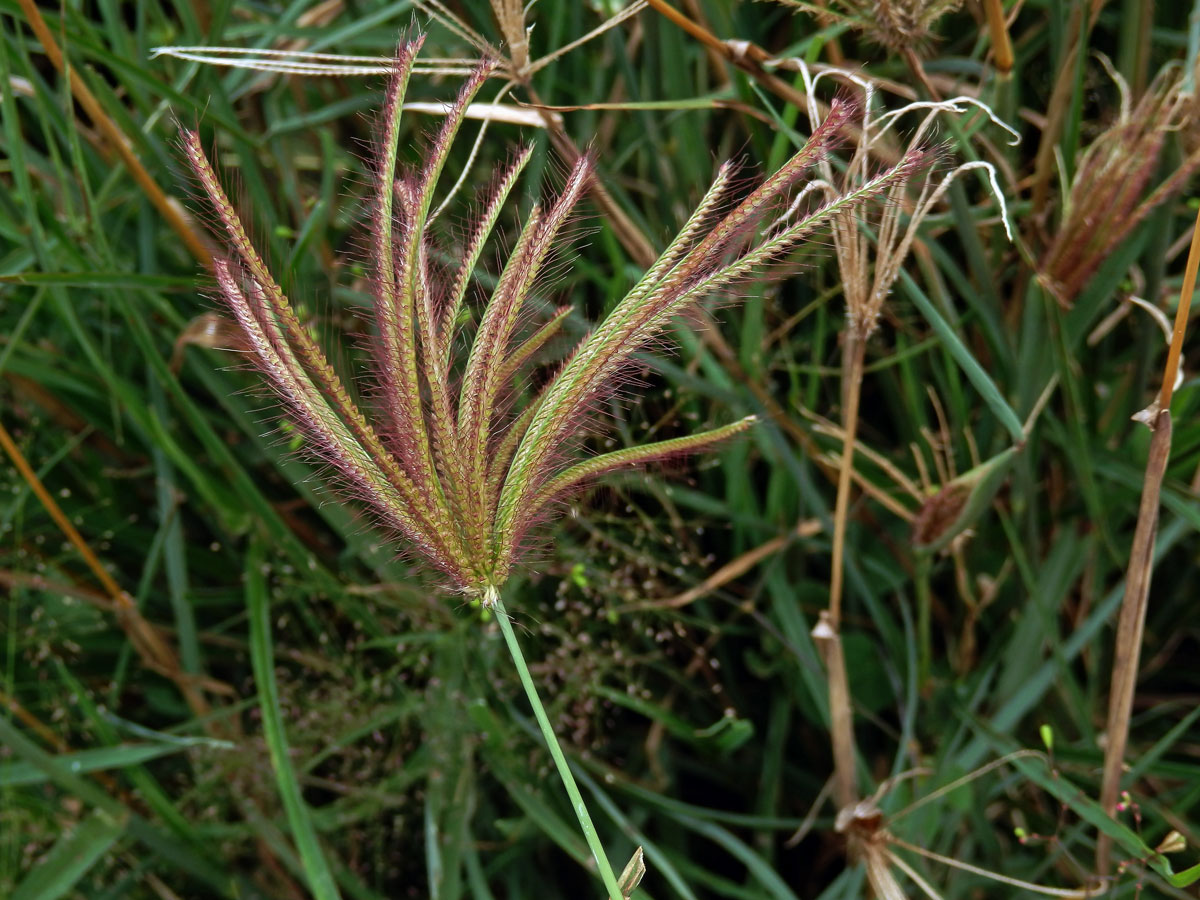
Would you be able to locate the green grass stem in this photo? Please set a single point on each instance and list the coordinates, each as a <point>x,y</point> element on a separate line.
<point>607,875</point>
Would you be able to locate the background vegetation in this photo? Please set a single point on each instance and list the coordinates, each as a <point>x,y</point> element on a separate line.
<point>230,601</point>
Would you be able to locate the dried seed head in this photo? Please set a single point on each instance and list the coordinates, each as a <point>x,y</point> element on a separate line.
<point>869,268</point>
<point>938,514</point>
<point>1112,192</point>
<point>510,16</point>
<point>955,508</point>
<point>898,25</point>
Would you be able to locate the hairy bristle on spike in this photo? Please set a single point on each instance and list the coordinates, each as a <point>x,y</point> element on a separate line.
<point>503,184</point>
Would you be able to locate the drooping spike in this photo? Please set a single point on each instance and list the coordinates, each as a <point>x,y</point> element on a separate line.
<point>311,411</point>
<point>583,472</point>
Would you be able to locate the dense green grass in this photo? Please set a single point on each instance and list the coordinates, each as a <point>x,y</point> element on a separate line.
<point>697,731</point>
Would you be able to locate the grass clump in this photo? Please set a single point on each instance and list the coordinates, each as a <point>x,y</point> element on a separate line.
<point>238,655</point>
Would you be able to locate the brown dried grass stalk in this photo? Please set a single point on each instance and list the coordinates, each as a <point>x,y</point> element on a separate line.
<point>1132,620</point>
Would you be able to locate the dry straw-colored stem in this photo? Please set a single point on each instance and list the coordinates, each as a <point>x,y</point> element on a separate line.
<point>841,712</point>
<point>1131,626</point>
<point>1002,51</point>
<point>828,632</point>
<point>1132,621</point>
<point>1181,319</point>
<point>853,357</point>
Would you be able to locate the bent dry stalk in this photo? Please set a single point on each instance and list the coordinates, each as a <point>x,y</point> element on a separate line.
<point>434,459</point>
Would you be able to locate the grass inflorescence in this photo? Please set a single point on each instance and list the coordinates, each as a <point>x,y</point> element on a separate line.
<point>446,470</point>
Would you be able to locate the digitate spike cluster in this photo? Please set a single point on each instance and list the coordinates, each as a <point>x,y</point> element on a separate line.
<point>433,458</point>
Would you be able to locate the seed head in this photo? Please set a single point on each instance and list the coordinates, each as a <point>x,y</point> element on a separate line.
<point>437,459</point>
<point>897,25</point>
<point>1111,193</point>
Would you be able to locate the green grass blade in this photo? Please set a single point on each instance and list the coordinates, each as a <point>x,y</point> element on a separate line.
<point>73,855</point>
<point>185,858</point>
<point>320,878</point>
<point>966,360</point>
<point>99,759</point>
<point>560,761</point>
